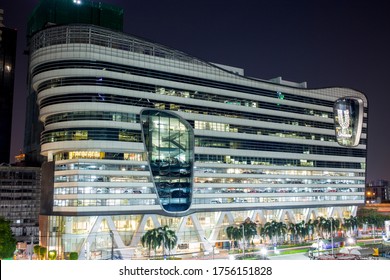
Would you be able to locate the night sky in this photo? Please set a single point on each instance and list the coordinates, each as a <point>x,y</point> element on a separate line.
<point>324,42</point>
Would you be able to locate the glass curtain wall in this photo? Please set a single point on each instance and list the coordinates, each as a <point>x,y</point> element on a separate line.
<point>169,141</point>
<point>348,114</point>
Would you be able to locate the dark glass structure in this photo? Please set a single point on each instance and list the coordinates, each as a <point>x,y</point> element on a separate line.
<point>7,73</point>
<point>58,12</point>
<point>169,142</point>
<point>348,115</point>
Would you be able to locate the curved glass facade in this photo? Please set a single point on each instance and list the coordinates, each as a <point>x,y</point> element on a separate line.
<point>348,115</point>
<point>137,129</point>
<point>243,138</point>
<point>169,142</point>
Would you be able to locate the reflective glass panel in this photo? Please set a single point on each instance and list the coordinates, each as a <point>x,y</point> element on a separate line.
<point>348,119</point>
<point>169,141</point>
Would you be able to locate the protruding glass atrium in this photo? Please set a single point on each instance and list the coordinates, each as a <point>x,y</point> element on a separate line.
<point>169,142</point>
<point>348,114</point>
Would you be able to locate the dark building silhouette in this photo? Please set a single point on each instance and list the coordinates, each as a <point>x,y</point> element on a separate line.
<point>378,191</point>
<point>20,200</point>
<point>7,74</point>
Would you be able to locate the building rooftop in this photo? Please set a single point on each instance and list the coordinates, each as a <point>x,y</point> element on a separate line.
<point>59,12</point>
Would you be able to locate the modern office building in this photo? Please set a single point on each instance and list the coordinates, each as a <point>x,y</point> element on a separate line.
<point>7,73</point>
<point>138,135</point>
<point>20,200</point>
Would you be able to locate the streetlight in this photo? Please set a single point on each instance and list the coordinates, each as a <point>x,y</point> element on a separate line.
<point>243,238</point>
<point>112,244</point>
<point>369,197</point>
<point>331,232</point>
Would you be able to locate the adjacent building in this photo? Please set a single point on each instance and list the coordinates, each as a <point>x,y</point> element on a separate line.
<point>138,135</point>
<point>20,200</point>
<point>7,74</point>
<point>378,191</point>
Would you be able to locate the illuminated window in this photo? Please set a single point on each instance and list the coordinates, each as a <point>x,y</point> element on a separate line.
<point>85,154</point>
<point>80,135</point>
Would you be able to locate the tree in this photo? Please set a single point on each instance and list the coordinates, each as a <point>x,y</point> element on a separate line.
<point>234,233</point>
<point>42,252</point>
<point>319,225</point>
<point>350,224</point>
<point>293,231</point>
<point>246,230</point>
<point>74,256</point>
<point>36,251</point>
<point>274,230</point>
<point>371,217</point>
<point>250,229</point>
<point>157,237</point>
<point>7,240</point>
<point>298,230</point>
<point>52,254</point>
<point>354,222</point>
<point>280,230</point>
<point>151,240</point>
<point>267,230</point>
<point>329,226</point>
<point>310,228</point>
<point>169,238</point>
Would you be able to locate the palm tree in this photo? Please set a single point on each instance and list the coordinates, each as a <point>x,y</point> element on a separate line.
<point>336,224</point>
<point>310,227</point>
<point>350,224</point>
<point>250,229</point>
<point>267,230</point>
<point>292,229</point>
<point>157,237</point>
<point>354,222</point>
<point>301,230</point>
<point>151,239</point>
<point>234,233</point>
<point>274,230</point>
<point>330,225</point>
<point>319,224</point>
<point>281,230</point>
<point>169,238</point>
<point>297,231</point>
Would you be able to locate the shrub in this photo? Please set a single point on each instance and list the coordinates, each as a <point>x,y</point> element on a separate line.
<point>73,256</point>
<point>52,254</point>
<point>42,252</point>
